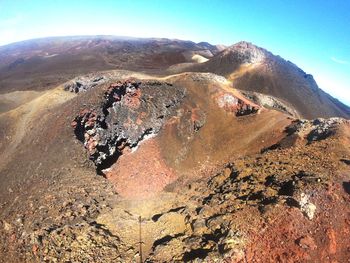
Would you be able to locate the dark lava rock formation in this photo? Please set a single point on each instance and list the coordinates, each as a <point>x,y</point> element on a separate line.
<point>85,83</point>
<point>130,111</point>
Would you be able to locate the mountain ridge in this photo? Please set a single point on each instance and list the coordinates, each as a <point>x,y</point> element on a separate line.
<point>261,71</point>
<point>44,63</point>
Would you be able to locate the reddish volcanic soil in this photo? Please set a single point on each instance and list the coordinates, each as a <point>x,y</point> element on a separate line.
<point>142,173</point>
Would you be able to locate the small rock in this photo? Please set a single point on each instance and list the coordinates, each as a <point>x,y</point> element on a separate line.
<point>307,242</point>
<point>19,220</point>
<point>35,249</point>
<point>306,207</point>
<point>199,225</point>
<point>7,226</point>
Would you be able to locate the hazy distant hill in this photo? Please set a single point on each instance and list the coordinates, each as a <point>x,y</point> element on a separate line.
<point>43,63</point>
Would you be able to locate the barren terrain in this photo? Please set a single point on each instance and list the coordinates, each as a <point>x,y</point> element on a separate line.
<point>155,165</point>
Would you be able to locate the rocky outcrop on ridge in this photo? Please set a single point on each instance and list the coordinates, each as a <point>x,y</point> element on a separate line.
<point>270,102</point>
<point>315,130</point>
<point>85,83</point>
<point>233,104</point>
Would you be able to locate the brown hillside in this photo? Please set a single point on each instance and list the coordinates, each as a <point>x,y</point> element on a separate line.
<point>255,69</point>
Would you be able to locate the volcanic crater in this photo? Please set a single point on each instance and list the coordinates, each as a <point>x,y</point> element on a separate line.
<point>174,164</point>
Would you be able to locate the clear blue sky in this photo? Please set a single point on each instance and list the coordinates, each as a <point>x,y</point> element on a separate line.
<point>315,35</point>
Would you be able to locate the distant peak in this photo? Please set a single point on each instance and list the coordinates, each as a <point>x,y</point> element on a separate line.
<point>244,44</point>
<point>204,43</point>
<point>247,52</point>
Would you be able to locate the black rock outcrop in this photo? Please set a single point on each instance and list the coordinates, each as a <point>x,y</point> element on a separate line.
<point>130,112</point>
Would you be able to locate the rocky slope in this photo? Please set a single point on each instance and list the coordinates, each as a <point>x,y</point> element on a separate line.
<point>181,168</point>
<point>255,69</point>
